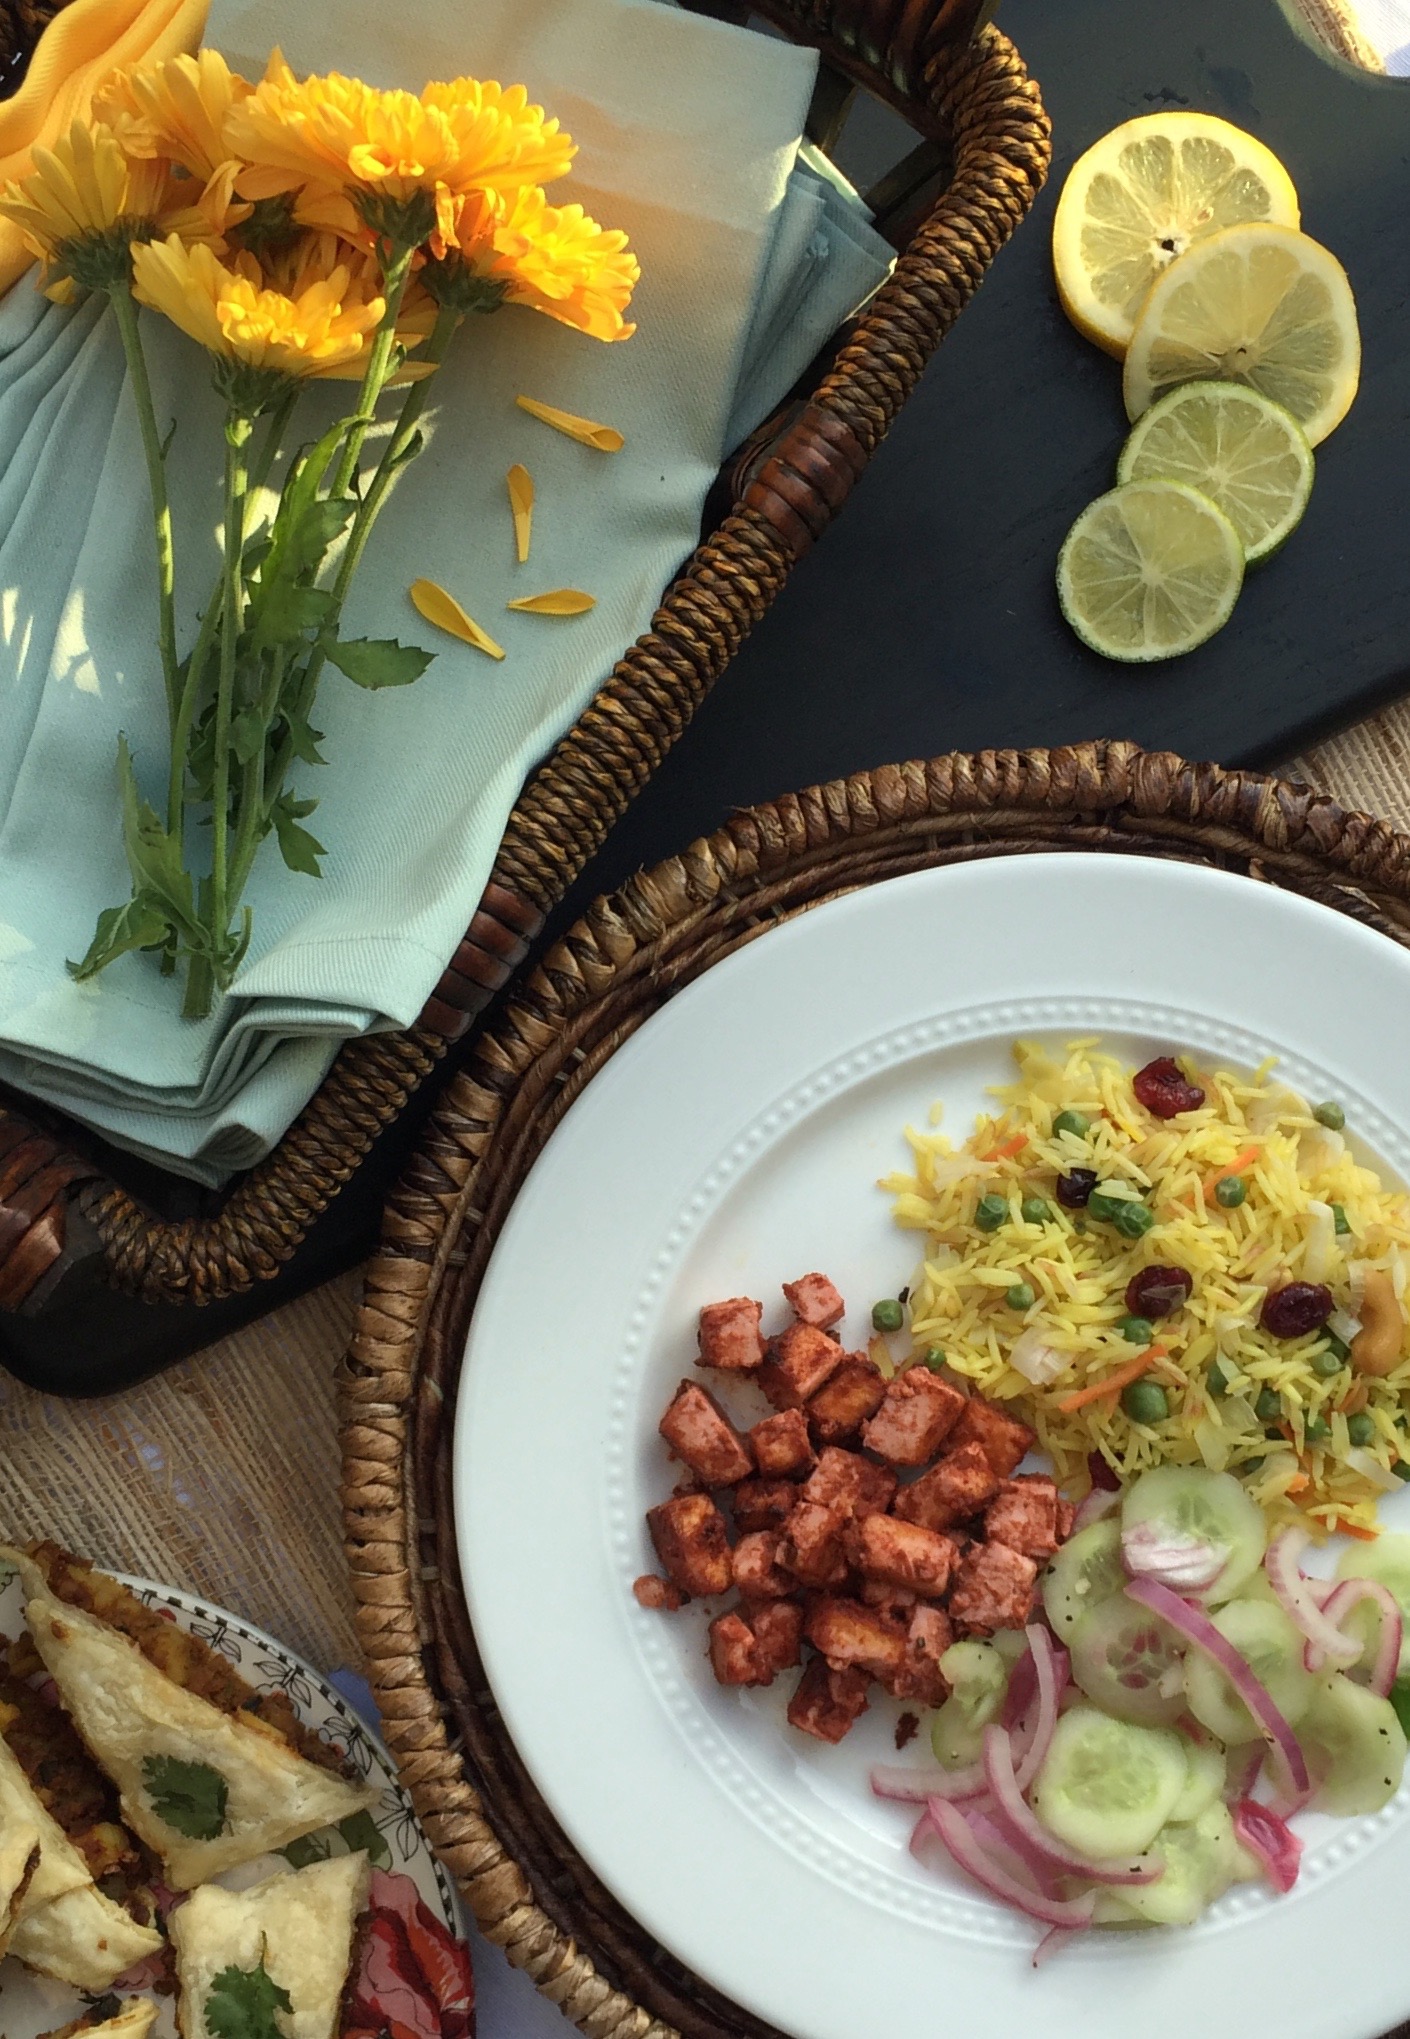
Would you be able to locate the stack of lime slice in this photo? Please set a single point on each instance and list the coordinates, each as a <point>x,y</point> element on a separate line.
<point>1176,246</point>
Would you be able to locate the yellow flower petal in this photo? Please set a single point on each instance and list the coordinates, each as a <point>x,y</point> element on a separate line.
<point>602,438</point>
<point>446,613</point>
<point>521,502</point>
<point>557,602</point>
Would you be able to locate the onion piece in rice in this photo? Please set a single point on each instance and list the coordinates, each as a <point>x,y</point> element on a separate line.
<point>1319,1248</point>
<point>1035,1359</point>
<point>1343,1325</point>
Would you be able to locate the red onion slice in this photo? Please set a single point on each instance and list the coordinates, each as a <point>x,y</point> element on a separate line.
<point>1052,1942</point>
<point>1286,1578</point>
<point>1187,1563</point>
<point>1032,1838</point>
<point>1097,1506</point>
<point>1389,1635</point>
<point>917,1783</point>
<point>1272,1840</point>
<point>1022,1690</point>
<point>946,1824</point>
<point>1197,1628</point>
<point>1244,1766</point>
<point>1050,1665</point>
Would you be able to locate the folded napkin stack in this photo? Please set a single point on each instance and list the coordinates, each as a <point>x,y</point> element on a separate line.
<point>688,136</point>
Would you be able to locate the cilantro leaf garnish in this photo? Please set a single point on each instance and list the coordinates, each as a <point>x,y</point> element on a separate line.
<point>190,1797</point>
<point>241,2004</point>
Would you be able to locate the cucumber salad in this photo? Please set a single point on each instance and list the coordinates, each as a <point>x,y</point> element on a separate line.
<point>1124,1760</point>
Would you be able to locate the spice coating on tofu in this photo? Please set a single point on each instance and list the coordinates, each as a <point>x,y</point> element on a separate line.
<point>863,1516</point>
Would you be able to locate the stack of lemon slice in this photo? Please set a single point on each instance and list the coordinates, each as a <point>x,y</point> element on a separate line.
<point>1177,248</point>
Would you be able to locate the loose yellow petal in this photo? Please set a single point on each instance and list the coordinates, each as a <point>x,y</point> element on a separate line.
<point>521,503</point>
<point>446,613</point>
<point>557,602</point>
<point>603,438</point>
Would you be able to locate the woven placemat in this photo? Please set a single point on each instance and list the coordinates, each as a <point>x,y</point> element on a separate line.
<point>628,954</point>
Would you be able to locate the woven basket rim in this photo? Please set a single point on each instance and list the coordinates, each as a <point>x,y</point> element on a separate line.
<point>628,953</point>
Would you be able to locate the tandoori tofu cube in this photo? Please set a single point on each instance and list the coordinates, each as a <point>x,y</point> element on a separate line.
<point>1023,1514</point>
<point>729,1335</point>
<point>993,1589</point>
<point>763,1504</point>
<point>811,1545</point>
<point>815,1301</point>
<point>849,1634</point>
<point>841,1405</point>
<point>846,1480</point>
<point>699,1433</point>
<point>900,1553</point>
<point>827,1702</point>
<point>916,1416</point>
<point>756,1568</point>
<point>920,1676</point>
<point>658,1594</point>
<point>778,1630</point>
<point>1003,1438</point>
<point>892,1603</point>
<point>782,1447</point>
<point>735,1656</point>
<point>689,1535</point>
<point>962,1484</point>
<point>799,1361</point>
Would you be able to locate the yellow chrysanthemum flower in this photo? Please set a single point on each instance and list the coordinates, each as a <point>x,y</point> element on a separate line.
<point>553,258</point>
<point>85,201</point>
<point>293,269</point>
<point>175,110</point>
<point>392,149</point>
<point>321,328</point>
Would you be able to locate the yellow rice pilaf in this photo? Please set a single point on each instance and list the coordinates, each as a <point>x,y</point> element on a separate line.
<point>1078,1269</point>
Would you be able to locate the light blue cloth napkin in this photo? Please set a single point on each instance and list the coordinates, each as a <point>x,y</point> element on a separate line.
<point>688,136</point>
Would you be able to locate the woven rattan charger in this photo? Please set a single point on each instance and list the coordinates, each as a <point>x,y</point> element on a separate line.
<point>627,955</point>
<point>950,206</point>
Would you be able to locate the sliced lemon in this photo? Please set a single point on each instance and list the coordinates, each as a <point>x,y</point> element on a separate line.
<point>1248,455</point>
<point>1144,194</point>
<point>1149,571</point>
<point>1255,304</point>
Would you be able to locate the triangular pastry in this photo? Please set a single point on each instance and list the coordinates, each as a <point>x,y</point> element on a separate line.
<point>300,1927</point>
<point>64,1926</point>
<point>204,1789</point>
<point>19,1859</point>
<point>133,2019</point>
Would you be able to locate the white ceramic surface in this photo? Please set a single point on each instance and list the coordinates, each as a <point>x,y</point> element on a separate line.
<point>30,2004</point>
<point>734,1143</point>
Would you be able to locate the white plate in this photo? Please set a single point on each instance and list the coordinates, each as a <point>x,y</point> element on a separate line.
<point>30,2004</point>
<point>735,1143</point>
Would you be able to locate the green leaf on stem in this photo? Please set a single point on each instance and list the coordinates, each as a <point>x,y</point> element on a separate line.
<point>140,924</point>
<point>247,735</point>
<point>154,857</point>
<point>282,610</point>
<point>304,739</point>
<point>299,849</point>
<point>379,661</point>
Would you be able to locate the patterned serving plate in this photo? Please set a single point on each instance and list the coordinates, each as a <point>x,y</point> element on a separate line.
<point>29,2004</point>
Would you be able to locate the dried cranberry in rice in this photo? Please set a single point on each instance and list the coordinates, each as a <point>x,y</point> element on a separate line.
<point>1156,1291</point>
<point>1296,1308</point>
<point>1074,1188</point>
<point>1163,1088</point>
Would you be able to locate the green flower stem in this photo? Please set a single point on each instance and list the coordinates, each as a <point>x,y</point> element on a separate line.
<point>252,809</point>
<point>274,431</point>
<point>238,427</point>
<point>447,323</point>
<point>379,368</point>
<point>125,312</point>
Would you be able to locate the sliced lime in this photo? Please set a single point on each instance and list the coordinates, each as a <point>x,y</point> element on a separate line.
<point>1236,446</point>
<point>1149,571</point>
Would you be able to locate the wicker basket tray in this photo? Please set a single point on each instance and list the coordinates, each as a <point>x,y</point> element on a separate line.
<point>64,1217</point>
<point>627,955</point>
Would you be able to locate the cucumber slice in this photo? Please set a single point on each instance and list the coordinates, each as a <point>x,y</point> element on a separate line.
<point>1208,1773</point>
<point>1387,1559</point>
<point>1129,1662</point>
<point>978,1678</point>
<point>1201,1861</point>
<point>1271,1645</point>
<point>1190,1505</point>
<point>1354,1745</point>
<point>1087,1570</point>
<point>1106,1786</point>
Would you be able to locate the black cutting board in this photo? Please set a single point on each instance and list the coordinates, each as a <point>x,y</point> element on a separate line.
<point>926,620</point>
